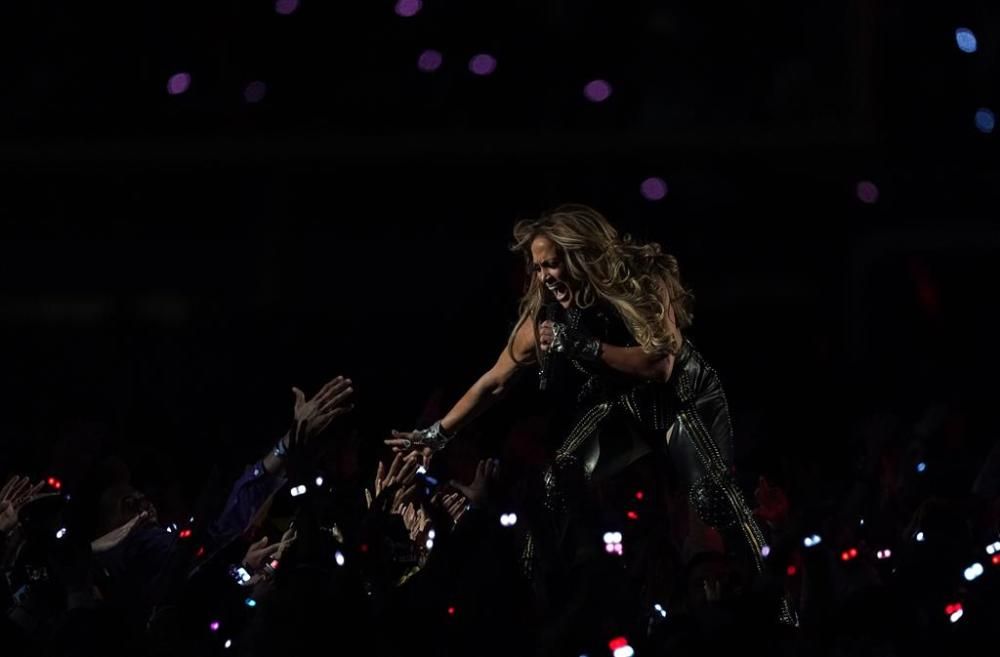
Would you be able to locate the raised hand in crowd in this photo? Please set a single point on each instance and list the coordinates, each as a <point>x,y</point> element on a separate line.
<point>262,552</point>
<point>416,521</point>
<point>310,418</point>
<point>477,492</point>
<point>400,476</point>
<point>17,492</point>
<point>258,554</point>
<point>116,536</point>
<point>454,504</point>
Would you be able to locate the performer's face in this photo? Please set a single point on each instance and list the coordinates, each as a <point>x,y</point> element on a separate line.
<point>548,267</point>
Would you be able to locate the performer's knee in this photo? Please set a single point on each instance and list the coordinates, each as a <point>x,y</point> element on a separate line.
<point>713,503</point>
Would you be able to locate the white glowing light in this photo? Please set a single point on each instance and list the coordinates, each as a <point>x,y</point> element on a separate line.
<point>973,571</point>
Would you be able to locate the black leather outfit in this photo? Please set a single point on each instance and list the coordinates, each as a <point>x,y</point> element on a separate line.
<point>616,419</point>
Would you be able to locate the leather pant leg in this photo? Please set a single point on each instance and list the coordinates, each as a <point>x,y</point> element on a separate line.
<point>701,449</point>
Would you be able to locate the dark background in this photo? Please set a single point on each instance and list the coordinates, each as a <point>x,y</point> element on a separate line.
<point>171,265</point>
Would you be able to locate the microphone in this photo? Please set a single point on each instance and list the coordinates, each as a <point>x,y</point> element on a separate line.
<point>549,314</point>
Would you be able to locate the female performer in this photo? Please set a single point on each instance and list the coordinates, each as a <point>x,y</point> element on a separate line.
<point>603,318</point>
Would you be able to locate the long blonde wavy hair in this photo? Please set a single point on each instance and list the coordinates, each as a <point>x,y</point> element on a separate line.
<point>630,276</point>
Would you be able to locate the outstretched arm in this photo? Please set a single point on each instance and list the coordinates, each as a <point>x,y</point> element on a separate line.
<point>486,391</point>
<point>494,384</point>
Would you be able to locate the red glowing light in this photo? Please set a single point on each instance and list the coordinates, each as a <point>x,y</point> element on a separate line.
<point>996,559</point>
<point>200,552</point>
<point>632,515</point>
<point>617,642</point>
<point>451,611</point>
<point>639,495</point>
<point>364,547</point>
<point>952,608</point>
<point>54,483</point>
<point>185,533</point>
<point>792,570</point>
<point>854,552</point>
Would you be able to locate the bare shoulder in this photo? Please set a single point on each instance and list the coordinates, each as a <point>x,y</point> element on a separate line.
<point>515,355</point>
<point>523,346</point>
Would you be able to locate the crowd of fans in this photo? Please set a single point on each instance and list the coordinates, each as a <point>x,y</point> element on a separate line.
<point>427,556</point>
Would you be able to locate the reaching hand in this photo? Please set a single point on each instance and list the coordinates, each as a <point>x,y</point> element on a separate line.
<point>400,476</point>
<point>425,441</point>
<point>454,504</point>
<point>415,520</point>
<point>314,415</point>
<point>116,536</point>
<point>478,491</point>
<point>409,442</point>
<point>8,516</point>
<point>286,540</point>
<point>17,492</point>
<point>260,552</point>
<point>402,470</point>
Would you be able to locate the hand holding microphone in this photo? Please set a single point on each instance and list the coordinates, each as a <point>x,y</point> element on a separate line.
<point>546,336</point>
<point>556,337</point>
<point>576,343</point>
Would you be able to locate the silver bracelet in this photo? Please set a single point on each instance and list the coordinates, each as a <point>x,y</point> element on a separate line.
<point>433,436</point>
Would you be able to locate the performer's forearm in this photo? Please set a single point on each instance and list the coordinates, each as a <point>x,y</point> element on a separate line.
<point>485,392</point>
<point>636,362</point>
